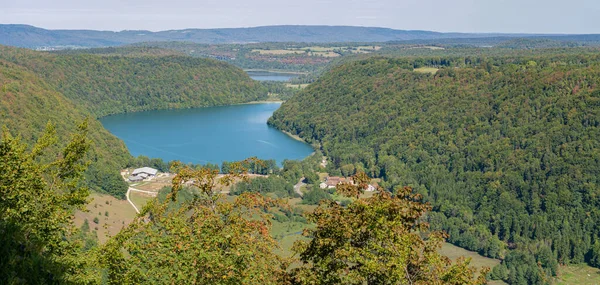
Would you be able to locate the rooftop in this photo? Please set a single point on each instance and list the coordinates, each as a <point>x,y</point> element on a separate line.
<point>147,170</point>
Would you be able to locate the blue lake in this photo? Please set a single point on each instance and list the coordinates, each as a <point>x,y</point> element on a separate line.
<point>214,134</point>
<point>270,76</point>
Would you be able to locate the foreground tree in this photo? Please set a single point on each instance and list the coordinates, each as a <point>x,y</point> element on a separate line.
<point>205,240</point>
<point>377,240</point>
<point>39,189</point>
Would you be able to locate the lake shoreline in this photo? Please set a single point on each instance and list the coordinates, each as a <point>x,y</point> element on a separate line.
<point>296,137</point>
<point>276,71</point>
<point>260,102</point>
<point>208,134</point>
<point>195,107</point>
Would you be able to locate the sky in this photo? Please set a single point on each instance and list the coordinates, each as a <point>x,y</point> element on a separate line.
<point>507,16</point>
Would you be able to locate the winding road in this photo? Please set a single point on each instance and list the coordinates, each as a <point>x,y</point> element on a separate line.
<point>153,194</point>
<point>298,186</point>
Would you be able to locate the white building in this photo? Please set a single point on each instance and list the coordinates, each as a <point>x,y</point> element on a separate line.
<point>142,173</point>
<point>145,170</point>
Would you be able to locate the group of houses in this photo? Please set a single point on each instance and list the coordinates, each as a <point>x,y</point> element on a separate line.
<point>142,174</point>
<point>333,181</point>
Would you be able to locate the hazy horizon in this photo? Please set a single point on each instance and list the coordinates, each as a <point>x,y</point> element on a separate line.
<point>274,25</point>
<point>462,16</point>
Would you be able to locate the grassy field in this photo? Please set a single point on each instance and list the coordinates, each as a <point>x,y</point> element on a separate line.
<point>298,86</point>
<point>578,274</point>
<point>454,252</point>
<point>120,214</point>
<point>286,234</point>
<point>139,199</point>
<point>324,54</point>
<point>431,70</point>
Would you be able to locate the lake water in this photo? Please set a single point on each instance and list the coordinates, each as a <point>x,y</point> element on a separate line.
<point>214,134</point>
<point>270,76</point>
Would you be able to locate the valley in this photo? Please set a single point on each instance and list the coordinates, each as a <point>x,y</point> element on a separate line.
<point>361,156</point>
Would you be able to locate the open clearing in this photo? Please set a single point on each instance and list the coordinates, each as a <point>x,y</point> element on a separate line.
<point>139,199</point>
<point>431,70</point>
<point>298,86</point>
<point>120,214</point>
<point>578,274</point>
<point>454,252</point>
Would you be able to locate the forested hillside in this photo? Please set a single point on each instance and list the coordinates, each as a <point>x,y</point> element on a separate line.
<point>107,85</point>
<point>27,104</point>
<point>506,149</point>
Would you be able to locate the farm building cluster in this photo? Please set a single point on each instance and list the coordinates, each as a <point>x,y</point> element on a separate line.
<point>142,174</point>
<point>333,181</point>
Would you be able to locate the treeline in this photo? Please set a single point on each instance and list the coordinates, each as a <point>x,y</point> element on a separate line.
<point>505,148</point>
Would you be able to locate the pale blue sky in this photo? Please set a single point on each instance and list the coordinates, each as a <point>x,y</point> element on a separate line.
<point>510,16</point>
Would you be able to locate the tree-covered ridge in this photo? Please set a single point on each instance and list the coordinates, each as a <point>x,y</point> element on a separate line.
<point>506,149</point>
<point>106,85</point>
<point>27,104</point>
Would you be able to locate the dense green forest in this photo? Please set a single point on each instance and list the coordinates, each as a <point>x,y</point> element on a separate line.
<point>505,148</point>
<point>27,104</point>
<point>39,87</point>
<point>107,85</point>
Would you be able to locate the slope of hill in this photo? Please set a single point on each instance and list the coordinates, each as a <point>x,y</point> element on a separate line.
<point>33,37</point>
<point>107,85</point>
<point>27,104</point>
<point>506,149</point>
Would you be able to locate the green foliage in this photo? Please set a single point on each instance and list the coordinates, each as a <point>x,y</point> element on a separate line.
<point>39,189</point>
<point>315,196</point>
<point>254,166</point>
<point>595,255</point>
<point>377,240</point>
<point>272,184</point>
<point>311,177</point>
<point>203,241</point>
<point>28,103</point>
<point>280,90</point>
<point>293,170</point>
<point>505,150</point>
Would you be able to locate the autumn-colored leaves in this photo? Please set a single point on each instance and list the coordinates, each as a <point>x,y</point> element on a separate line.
<point>376,240</point>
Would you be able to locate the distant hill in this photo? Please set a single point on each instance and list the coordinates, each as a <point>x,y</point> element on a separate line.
<point>33,37</point>
<point>105,85</point>
<point>505,148</point>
